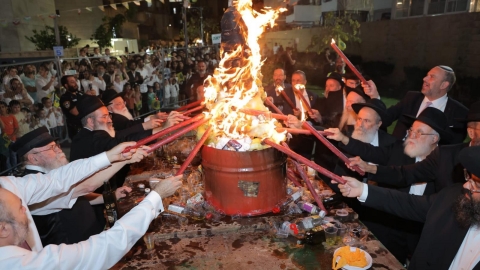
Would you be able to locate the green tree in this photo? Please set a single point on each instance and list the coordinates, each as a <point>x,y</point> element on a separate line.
<point>45,39</point>
<point>340,27</point>
<point>111,28</point>
<point>210,26</point>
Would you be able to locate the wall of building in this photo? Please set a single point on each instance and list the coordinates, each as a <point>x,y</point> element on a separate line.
<point>452,40</point>
<point>83,25</point>
<point>13,36</point>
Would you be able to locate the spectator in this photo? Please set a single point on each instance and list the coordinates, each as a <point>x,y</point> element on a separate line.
<point>12,73</point>
<point>28,79</point>
<point>23,125</point>
<point>19,93</point>
<point>9,121</point>
<point>91,84</point>
<point>45,83</point>
<point>167,94</point>
<point>50,111</point>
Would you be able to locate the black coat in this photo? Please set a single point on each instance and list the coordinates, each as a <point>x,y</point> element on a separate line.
<point>441,236</point>
<point>68,226</point>
<point>410,105</point>
<point>440,167</point>
<point>398,235</point>
<point>331,108</point>
<point>134,77</point>
<point>125,127</point>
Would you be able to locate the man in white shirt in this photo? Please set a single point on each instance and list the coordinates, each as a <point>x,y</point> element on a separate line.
<point>45,83</point>
<point>147,78</point>
<point>101,251</point>
<point>91,84</point>
<point>451,235</point>
<point>36,188</point>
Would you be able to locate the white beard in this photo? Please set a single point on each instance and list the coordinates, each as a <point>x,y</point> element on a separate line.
<point>365,136</point>
<point>415,150</point>
<point>125,113</point>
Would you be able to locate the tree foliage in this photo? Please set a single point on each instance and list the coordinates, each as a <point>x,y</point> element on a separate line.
<point>111,28</point>
<point>210,26</point>
<point>45,39</point>
<point>340,27</point>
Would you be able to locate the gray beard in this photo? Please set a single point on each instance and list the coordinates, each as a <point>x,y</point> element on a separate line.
<point>125,113</point>
<point>467,210</point>
<point>366,137</point>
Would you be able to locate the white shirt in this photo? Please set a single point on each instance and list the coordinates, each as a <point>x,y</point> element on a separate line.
<point>52,119</point>
<point>439,103</point>
<point>418,188</point>
<point>146,78</point>
<point>41,82</point>
<point>36,188</point>
<point>100,251</point>
<point>97,84</point>
<point>174,90</point>
<point>119,86</point>
<point>167,92</point>
<point>468,254</point>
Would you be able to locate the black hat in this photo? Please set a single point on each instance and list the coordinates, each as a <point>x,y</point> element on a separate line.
<point>358,90</point>
<point>434,118</point>
<point>470,157</point>
<point>337,77</point>
<point>88,104</point>
<point>473,113</point>
<point>110,95</point>
<point>34,139</point>
<point>376,104</point>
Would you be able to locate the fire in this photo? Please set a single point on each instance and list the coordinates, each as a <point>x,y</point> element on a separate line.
<point>237,84</point>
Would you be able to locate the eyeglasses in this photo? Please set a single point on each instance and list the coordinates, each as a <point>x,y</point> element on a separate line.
<point>415,134</point>
<point>53,147</point>
<point>473,184</point>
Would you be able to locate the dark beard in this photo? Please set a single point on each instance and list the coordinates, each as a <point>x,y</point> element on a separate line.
<point>73,90</point>
<point>467,210</point>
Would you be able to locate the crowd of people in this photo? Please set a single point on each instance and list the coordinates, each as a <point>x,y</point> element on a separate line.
<point>147,82</point>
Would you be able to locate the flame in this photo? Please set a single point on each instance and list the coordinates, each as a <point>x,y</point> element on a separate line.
<point>333,41</point>
<point>237,84</point>
<point>301,87</point>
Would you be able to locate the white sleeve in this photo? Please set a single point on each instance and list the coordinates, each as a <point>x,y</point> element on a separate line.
<point>364,195</point>
<point>100,251</point>
<point>54,204</point>
<point>35,188</point>
<point>100,83</point>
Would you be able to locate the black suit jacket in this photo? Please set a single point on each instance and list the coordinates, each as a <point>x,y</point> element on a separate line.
<point>125,127</point>
<point>134,77</point>
<point>441,236</point>
<point>410,105</point>
<point>440,167</point>
<point>68,226</point>
<point>331,108</point>
<point>279,101</point>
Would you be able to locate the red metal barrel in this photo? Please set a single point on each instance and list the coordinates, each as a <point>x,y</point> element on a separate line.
<point>244,183</point>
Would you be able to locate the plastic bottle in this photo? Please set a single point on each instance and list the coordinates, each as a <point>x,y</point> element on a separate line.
<point>110,201</point>
<point>308,207</point>
<point>305,224</point>
<point>283,205</point>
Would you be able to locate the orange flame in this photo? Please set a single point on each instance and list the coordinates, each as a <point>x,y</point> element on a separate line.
<point>237,84</point>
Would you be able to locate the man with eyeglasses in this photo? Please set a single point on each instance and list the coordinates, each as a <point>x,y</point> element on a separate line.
<point>436,84</point>
<point>450,238</point>
<point>440,167</point>
<point>399,235</point>
<point>41,154</point>
<point>60,183</point>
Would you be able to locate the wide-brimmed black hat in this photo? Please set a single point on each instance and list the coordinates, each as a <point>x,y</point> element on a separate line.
<point>88,104</point>
<point>337,77</point>
<point>34,139</point>
<point>470,159</point>
<point>434,118</point>
<point>358,90</point>
<point>376,104</point>
<point>473,114</point>
<point>110,95</point>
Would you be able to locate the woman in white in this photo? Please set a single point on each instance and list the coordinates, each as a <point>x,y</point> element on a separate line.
<point>118,83</point>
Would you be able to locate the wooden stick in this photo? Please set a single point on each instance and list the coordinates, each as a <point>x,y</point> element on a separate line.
<point>164,132</point>
<point>303,99</point>
<point>190,105</point>
<point>305,161</point>
<point>193,110</point>
<point>347,61</point>
<point>275,108</point>
<point>194,151</point>
<point>330,146</point>
<point>266,114</point>
<point>176,135</point>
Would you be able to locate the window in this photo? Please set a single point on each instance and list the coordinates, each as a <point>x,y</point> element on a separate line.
<point>408,8</point>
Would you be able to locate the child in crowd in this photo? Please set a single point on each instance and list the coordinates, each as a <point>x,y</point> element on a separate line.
<point>138,100</point>
<point>167,93</point>
<point>43,120</point>
<point>174,92</point>
<point>23,126</point>
<point>129,97</point>
<point>157,89</point>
